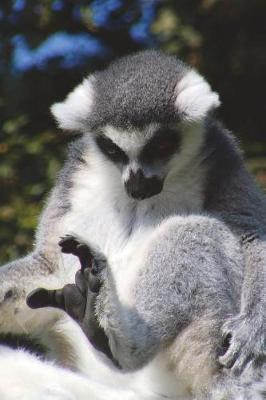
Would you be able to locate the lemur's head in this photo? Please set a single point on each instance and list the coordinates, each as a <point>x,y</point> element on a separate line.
<point>141,113</point>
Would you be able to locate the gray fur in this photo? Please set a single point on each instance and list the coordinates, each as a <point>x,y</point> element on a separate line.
<point>235,199</point>
<point>178,283</point>
<point>192,270</point>
<point>137,90</point>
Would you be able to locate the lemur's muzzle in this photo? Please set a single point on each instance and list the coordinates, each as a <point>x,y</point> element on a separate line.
<point>140,187</point>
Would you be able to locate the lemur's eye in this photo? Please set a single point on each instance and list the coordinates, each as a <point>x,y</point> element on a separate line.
<point>163,145</point>
<point>111,150</point>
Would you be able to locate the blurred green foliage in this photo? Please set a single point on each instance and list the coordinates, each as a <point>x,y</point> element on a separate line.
<point>224,39</point>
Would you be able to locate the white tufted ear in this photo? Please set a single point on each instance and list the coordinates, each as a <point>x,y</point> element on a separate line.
<point>72,113</point>
<point>194,97</point>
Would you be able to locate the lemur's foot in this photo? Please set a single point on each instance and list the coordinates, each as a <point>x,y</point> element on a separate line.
<point>74,298</point>
<point>72,245</point>
<point>247,342</point>
<point>78,300</point>
<point>88,257</point>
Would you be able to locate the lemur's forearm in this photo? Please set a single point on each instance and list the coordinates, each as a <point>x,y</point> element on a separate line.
<point>36,264</point>
<point>253,245</point>
<point>127,337</point>
<point>241,205</point>
<point>253,291</point>
<point>244,211</point>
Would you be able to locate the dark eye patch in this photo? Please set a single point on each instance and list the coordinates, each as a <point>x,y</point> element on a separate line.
<point>111,150</point>
<point>162,146</point>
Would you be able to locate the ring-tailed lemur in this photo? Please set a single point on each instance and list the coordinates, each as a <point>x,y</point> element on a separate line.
<point>150,158</point>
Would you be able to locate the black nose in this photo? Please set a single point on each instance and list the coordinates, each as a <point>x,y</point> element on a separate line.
<point>140,187</point>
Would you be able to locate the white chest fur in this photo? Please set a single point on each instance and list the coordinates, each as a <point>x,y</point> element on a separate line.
<point>119,226</point>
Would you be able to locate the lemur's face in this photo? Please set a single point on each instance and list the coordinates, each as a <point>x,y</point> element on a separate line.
<point>143,156</point>
<point>147,89</point>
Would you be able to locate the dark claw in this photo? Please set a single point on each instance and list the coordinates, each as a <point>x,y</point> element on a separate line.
<point>68,244</point>
<point>40,298</point>
<point>225,345</point>
<point>94,283</point>
<point>71,245</point>
<point>68,299</point>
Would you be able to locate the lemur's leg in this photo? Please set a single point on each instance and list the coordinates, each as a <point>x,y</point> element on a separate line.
<point>78,299</point>
<point>18,278</point>
<point>52,328</point>
<point>248,328</point>
<point>189,270</point>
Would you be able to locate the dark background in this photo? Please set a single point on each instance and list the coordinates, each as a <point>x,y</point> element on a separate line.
<point>48,46</point>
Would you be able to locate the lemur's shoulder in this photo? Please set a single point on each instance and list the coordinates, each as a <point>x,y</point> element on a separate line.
<point>230,190</point>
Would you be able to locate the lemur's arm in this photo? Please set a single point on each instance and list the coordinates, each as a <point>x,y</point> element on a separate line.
<point>169,293</point>
<point>247,330</point>
<point>130,343</point>
<point>17,278</point>
<point>78,299</point>
<point>127,339</point>
<point>233,196</point>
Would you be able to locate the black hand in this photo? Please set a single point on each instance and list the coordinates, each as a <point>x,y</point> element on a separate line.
<point>78,299</point>
<point>68,299</point>
<point>71,245</point>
